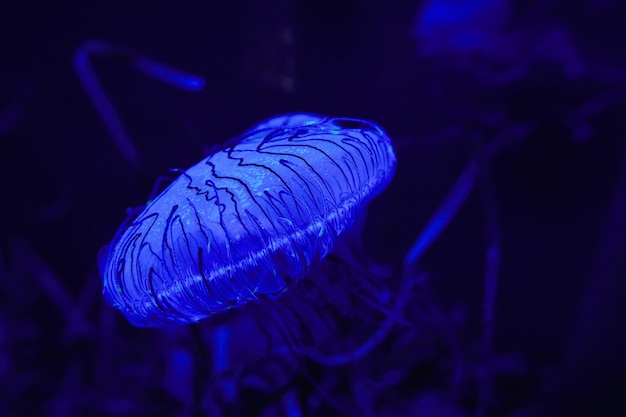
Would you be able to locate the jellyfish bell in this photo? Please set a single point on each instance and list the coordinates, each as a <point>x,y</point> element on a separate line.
<point>248,221</point>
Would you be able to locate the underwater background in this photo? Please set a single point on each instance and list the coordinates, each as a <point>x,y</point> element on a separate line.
<point>520,308</point>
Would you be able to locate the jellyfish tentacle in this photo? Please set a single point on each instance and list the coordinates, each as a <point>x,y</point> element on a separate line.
<point>168,74</point>
<point>150,67</point>
<point>221,361</point>
<point>77,321</point>
<point>493,256</point>
<point>444,214</point>
<point>374,340</point>
<point>291,405</point>
<point>476,171</point>
<point>461,190</point>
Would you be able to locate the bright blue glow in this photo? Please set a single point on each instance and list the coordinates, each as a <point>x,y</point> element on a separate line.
<point>248,220</point>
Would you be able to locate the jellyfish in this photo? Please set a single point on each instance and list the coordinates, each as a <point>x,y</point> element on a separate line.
<point>248,221</point>
<point>249,226</point>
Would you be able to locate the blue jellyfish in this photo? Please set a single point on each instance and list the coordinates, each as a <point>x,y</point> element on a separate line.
<point>248,221</point>
<point>237,235</point>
